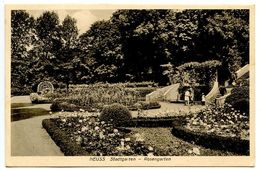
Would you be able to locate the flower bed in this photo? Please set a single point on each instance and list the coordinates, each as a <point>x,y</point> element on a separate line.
<point>216,127</point>
<point>63,104</point>
<point>90,136</point>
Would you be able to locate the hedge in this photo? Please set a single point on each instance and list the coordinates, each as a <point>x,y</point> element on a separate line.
<point>67,146</point>
<point>231,144</point>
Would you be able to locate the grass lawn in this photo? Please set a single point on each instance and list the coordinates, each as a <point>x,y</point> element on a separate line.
<point>25,113</point>
<point>16,105</point>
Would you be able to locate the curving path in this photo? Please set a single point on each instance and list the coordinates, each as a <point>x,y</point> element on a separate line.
<point>28,138</point>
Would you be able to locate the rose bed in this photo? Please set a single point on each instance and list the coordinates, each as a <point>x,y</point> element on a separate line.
<point>79,136</point>
<point>221,128</point>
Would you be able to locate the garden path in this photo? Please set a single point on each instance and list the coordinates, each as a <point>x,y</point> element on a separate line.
<point>28,138</point>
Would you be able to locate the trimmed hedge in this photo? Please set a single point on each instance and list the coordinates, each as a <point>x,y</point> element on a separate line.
<point>58,106</point>
<point>231,144</point>
<point>116,113</point>
<point>67,146</point>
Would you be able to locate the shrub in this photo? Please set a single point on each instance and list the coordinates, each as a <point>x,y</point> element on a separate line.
<point>116,113</point>
<point>55,106</point>
<point>239,98</point>
<point>19,91</point>
<point>58,106</point>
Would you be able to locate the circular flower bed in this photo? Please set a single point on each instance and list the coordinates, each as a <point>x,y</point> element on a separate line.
<point>101,138</point>
<point>221,121</point>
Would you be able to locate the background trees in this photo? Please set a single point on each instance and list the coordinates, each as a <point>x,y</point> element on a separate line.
<point>130,46</point>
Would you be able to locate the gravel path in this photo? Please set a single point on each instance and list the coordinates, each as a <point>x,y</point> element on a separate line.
<point>28,138</point>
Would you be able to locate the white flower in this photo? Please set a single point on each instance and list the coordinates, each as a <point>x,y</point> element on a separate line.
<point>96,128</point>
<point>127,139</point>
<point>115,131</point>
<point>196,151</point>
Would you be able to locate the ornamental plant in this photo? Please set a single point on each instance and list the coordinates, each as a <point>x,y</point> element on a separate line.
<point>117,114</point>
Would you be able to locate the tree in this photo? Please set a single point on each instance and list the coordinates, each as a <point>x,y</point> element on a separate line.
<point>22,25</point>
<point>102,51</point>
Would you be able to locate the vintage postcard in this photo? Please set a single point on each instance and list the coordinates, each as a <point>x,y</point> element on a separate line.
<point>130,85</point>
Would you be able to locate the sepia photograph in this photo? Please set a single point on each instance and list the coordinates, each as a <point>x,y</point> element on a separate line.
<point>134,85</point>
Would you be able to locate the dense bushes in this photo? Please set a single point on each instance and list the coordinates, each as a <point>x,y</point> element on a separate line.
<point>58,106</point>
<point>116,114</point>
<point>239,98</point>
<point>20,91</point>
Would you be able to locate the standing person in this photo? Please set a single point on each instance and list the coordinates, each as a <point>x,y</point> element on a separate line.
<point>191,96</point>
<point>187,97</point>
<point>203,100</point>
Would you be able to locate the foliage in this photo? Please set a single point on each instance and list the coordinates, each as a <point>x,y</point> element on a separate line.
<point>239,98</point>
<point>130,46</point>
<point>63,105</point>
<point>116,114</point>
<point>221,121</point>
<point>68,147</point>
<point>20,91</point>
<point>98,138</point>
<point>224,143</point>
<point>193,73</point>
